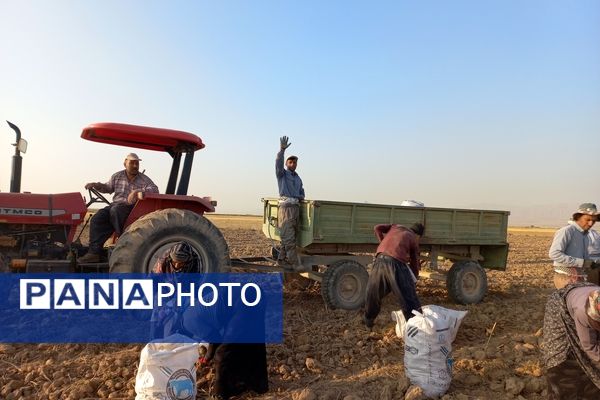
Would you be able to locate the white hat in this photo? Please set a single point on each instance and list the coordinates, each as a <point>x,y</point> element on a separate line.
<point>133,157</point>
<point>587,209</point>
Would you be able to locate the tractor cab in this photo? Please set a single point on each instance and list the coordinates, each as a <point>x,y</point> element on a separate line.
<point>176,143</point>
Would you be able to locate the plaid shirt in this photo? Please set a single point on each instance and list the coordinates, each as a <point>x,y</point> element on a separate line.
<point>120,185</point>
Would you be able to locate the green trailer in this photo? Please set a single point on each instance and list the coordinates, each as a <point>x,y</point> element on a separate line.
<point>336,244</point>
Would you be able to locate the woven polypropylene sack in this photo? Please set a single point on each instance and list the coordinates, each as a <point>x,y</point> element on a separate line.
<point>167,369</point>
<point>428,338</point>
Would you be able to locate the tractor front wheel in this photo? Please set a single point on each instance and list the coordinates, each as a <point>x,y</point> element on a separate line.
<point>147,239</point>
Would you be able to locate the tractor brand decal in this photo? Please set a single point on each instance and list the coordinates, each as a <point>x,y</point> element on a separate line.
<point>37,212</point>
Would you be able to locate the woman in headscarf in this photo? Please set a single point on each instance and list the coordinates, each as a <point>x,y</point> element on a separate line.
<point>571,347</point>
<point>181,257</point>
<point>239,367</point>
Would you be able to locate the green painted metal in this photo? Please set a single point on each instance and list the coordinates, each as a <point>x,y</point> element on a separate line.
<point>327,225</point>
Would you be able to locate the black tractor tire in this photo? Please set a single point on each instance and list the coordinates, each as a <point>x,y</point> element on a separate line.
<point>466,282</point>
<point>144,241</point>
<point>5,290</point>
<point>344,285</point>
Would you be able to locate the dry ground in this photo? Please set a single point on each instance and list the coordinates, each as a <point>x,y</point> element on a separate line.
<point>329,354</point>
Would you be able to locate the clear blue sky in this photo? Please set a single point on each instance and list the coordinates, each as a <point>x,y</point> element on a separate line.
<point>456,104</point>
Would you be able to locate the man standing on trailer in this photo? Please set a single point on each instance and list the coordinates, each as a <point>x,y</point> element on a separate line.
<point>391,272</point>
<point>126,185</point>
<point>291,192</point>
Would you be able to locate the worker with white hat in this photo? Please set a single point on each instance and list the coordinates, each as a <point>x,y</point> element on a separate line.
<point>572,250</point>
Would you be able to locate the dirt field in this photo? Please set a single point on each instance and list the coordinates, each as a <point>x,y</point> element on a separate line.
<point>329,354</point>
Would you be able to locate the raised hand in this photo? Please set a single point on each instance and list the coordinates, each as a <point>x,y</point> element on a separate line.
<point>283,141</point>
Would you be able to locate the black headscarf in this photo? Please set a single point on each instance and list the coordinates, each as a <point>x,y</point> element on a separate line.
<point>180,252</point>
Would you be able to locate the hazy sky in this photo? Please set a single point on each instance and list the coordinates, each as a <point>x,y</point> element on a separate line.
<point>452,103</point>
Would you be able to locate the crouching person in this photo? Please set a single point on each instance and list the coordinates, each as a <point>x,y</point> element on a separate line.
<point>572,342</point>
<point>239,367</point>
<point>179,258</point>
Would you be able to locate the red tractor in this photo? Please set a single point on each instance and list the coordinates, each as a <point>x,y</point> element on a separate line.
<point>37,231</point>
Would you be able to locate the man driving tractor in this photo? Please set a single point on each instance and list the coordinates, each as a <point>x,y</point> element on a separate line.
<point>127,185</point>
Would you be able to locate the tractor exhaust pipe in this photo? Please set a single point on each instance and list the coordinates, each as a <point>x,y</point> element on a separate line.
<point>17,161</point>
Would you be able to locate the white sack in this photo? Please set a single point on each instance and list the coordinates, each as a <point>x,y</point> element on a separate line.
<point>428,338</point>
<point>167,369</point>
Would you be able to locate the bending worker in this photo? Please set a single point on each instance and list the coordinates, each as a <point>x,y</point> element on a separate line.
<point>571,347</point>
<point>238,367</point>
<point>391,271</point>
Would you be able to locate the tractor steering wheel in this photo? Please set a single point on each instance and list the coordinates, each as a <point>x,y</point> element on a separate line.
<point>96,197</point>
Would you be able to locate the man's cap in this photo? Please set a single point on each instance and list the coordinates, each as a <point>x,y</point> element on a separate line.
<point>133,157</point>
<point>586,208</point>
<point>593,308</point>
<point>291,158</point>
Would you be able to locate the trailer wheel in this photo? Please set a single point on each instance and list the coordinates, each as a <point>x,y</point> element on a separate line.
<point>466,282</point>
<point>344,285</point>
<point>144,241</point>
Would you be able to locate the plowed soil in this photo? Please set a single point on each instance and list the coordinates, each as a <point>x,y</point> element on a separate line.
<point>329,354</point>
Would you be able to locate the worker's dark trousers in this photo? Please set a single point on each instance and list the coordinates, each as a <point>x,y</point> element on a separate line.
<point>106,221</point>
<point>390,275</point>
<point>287,219</point>
<point>568,381</point>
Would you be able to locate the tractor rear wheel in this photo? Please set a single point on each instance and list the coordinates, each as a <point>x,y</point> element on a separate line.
<point>344,285</point>
<point>144,241</point>
<point>4,289</point>
<point>466,282</point>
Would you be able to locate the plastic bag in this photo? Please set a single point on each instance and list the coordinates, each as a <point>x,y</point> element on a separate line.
<point>428,338</point>
<point>167,369</point>
<point>412,203</point>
